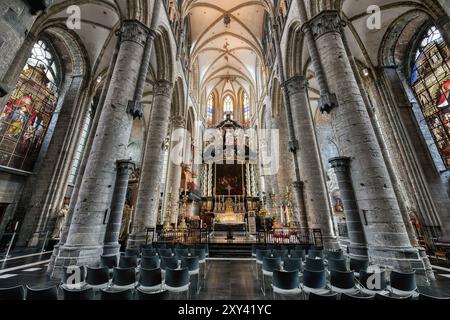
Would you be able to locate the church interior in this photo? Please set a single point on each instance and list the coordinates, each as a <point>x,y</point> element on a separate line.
<point>224,150</point>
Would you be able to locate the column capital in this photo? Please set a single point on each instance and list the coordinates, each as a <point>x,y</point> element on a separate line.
<point>163,88</point>
<point>296,84</point>
<point>125,164</point>
<point>135,31</point>
<point>325,22</point>
<point>178,122</point>
<point>340,163</point>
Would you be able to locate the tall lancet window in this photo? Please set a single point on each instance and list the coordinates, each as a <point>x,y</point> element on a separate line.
<point>210,110</point>
<point>430,80</point>
<point>228,107</point>
<point>246,105</point>
<point>25,118</point>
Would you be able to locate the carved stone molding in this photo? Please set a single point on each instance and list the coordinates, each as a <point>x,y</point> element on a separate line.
<point>133,30</point>
<point>163,88</point>
<point>178,122</point>
<point>296,84</point>
<point>325,22</point>
<point>340,164</point>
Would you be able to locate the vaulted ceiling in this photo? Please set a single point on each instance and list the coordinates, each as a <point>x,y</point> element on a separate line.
<point>227,52</point>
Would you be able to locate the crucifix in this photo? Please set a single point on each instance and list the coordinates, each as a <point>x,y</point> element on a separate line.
<point>229,188</point>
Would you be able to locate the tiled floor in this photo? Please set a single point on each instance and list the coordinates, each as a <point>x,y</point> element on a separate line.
<point>227,279</point>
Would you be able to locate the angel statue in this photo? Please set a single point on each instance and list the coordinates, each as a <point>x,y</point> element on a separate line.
<point>60,220</point>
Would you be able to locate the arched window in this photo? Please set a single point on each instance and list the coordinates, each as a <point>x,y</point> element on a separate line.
<point>25,118</point>
<point>228,106</point>
<point>246,105</point>
<point>430,80</point>
<point>210,110</point>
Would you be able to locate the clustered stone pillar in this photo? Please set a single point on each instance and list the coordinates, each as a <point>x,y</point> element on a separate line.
<point>111,244</point>
<point>384,228</point>
<point>316,201</point>
<point>358,243</point>
<point>84,243</point>
<point>150,181</point>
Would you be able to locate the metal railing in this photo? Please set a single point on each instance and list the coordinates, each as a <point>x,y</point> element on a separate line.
<point>291,236</point>
<point>190,236</point>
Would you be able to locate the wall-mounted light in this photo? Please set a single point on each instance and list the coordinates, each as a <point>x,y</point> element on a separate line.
<point>366,72</point>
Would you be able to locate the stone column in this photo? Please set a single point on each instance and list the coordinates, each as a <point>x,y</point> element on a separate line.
<point>111,244</point>
<point>385,230</point>
<point>316,201</point>
<point>174,170</point>
<point>358,243</point>
<point>84,243</point>
<point>150,181</point>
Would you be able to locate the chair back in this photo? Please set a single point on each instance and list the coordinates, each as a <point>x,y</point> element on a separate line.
<point>313,253</point>
<point>191,263</point>
<point>149,252</point>
<point>260,254</point>
<point>373,281</point>
<point>337,265</point>
<point>108,261</point>
<point>124,277</point>
<point>315,264</point>
<point>326,297</point>
<point>150,262</point>
<point>285,280</point>
<point>169,263</point>
<point>337,255</point>
<point>271,264</point>
<point>181,252</point>
<point>47,294</point>
<point>159,295</point>
<point>97,276</point>
<point>342,279</point>
<point>314,279</point>
<point>128,262</point>
<point>84,294</point>
<point>200,253</point>
<point>177,278</point>
<point>109,295</point>
<point>282,253</point>
<point>298,254</point>
<point>150,278</point>
<point>359,265</point>
<point>292,264</point>
<point>403,281</point>
<point>165,252</point>
<point>12,294</point>
<point>132,252</point>
<point>158,246</point>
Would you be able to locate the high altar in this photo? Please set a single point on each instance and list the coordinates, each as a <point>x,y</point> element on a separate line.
<point>229,189</point>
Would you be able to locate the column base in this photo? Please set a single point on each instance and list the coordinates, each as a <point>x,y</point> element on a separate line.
<point>405,260</point>
<point>136,240</point>
<point>427,264</point>
<point>53,258</point>
<point>111,249</point>
<point>357,251</point>
<point>330,243</point>
<point>75,256</point>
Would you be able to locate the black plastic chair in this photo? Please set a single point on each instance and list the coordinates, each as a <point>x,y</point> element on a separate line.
<point>177,281</point>
<point>12,294</point>
<point>293,264</point>
<point>285,283</point>
<point>109,261</point>
<point>132,253</point>
<point>74,277</point>
<point>97,278</point>
<point>84,294</point>
<point>203,246</point>
<point>149,252</point>
<point>403,283</point>
<point>193,265</point>
<point>257,247</point>
<point>268,266</point>
<point>304,247</point>
<point>313,253</point>
<point>315,264</point>
<point>314,281</point>
<point>281,253</point>
<point>372,282</point>
<point>165,253</point>
<point>128,262</point>
<point>158,246</point>
<point>301,254</point>
<point>260,254</point>
<point>337,255</point>
<point>337,265</point>
<point>150,263</point>
<point>351,297</point>
<point>159,295</point>
<point>169,263</point>
<point>150,280</point>
<point>181,252</point>
<point>343,282</point>
<point>357,265</point>
<point>124,279</point>
<point>112,295</point>
<point>46,294</point>
<point>323,296</point>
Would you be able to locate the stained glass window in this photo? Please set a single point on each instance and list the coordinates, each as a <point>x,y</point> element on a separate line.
<point>25,118</point>
<point>228,106</point>
<point>430,80</point>
<point>247,115</point>
<point>210,110</point>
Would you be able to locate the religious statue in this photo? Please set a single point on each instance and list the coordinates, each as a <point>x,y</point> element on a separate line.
<point>60,220</point>
<point>335,194</point>
<point>126,220</point>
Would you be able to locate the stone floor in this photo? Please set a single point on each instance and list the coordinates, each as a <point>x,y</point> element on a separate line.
<point>227,279</point>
